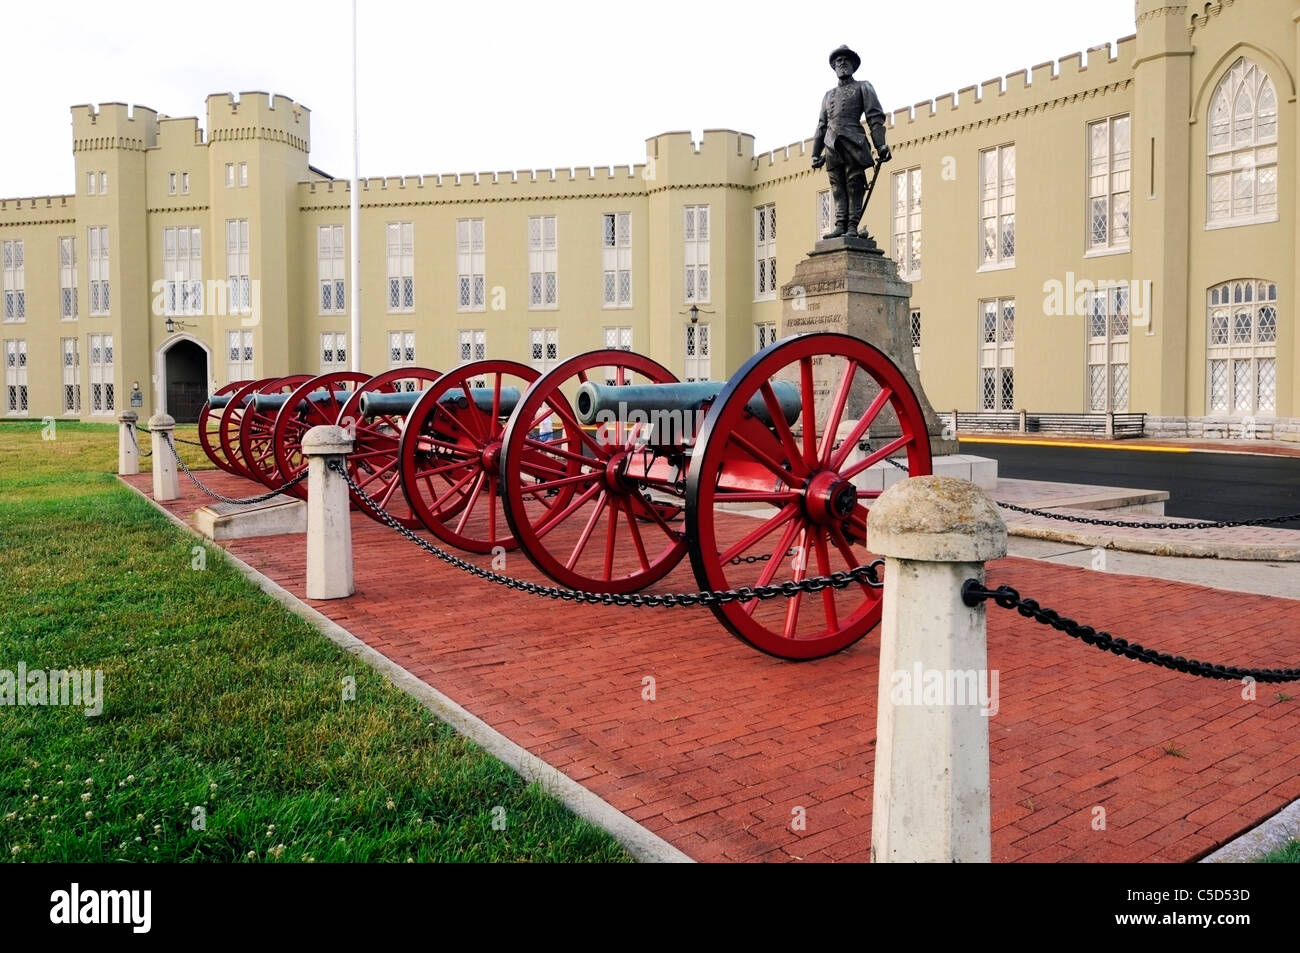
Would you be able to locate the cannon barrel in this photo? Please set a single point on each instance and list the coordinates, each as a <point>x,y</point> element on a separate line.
<point>222,401</point>
<point>375,403</point>
<point>264,402</point>
<point>618,402</point>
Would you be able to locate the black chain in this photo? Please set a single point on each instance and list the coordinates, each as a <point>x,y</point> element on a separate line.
<point>192,443</point>
<point>1129,524</point>
<point>739,560</point>
<point>973,593</point>
<point>868,575</point>
<point>225,499</point>
<point>143,453</point>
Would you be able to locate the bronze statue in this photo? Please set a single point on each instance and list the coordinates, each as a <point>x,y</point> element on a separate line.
<point>847,153</point>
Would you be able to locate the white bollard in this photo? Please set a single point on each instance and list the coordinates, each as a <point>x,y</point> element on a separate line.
<point>128,451</point>
<point>931,792</point>
<point>165,485</point>
<point>329,523</point>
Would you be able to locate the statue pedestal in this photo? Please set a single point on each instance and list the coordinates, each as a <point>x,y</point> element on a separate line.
<point>844,286</point>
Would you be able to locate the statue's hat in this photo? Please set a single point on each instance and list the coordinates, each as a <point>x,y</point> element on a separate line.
<point>845,51</point>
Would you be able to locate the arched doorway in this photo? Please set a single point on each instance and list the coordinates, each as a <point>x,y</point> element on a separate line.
<point>185,380</point>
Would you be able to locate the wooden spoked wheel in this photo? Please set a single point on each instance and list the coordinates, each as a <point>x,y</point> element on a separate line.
<point>592,508</point>
<point>450,453</point>
<point>373,462</point>
<point>210,428</point>
<point>313,403</point>
<point>773,503</point>
<point>228,428</point>
<point>257,432</point>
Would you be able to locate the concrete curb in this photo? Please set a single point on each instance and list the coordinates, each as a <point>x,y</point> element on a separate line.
<point>641,843</point>
<point>1259,552</point>
<point>1278,831</point>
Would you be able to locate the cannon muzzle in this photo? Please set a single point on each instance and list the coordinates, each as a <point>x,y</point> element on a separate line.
<point>376,403</point>
<point>601,403</point>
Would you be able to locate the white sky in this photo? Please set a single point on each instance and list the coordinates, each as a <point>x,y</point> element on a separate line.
<point>484,86</point>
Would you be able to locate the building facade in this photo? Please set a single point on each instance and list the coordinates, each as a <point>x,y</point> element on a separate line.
<point>1115,232</point>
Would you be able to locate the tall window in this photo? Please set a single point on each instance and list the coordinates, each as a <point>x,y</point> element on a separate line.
<point>102,398</point>
<point>16,376</point>
<point>1242,160</point>
<point>1108,349</point>
<point>185,183</point>
<point>473,347</point>
<point>1242,348</point>
<point>230,175</point>
<point>765,253</point>
<point>1109,162</point>
<point>998,354</point>
<point>171,183</point>
<point>238,283</point>
<point>71,374</point>
<point>695,241</point>
<point>764,335</point>
<point>401,353</point>
<point>243,175</point>
<point>182,271</point>
<point>543,288</point>
<point>99,296</point>
<point>544,348</point>
<point>14,283</point>
<point>697,352</point>
<point>998,206</point>
<point>616,339</point>
<point>401,266</point>
<point>329,268</point>
<point>333,351</point>
<point>907,222</point>
<point>824,215</point>
<point>916,338</point>
<point>616,259</point>
<point>239,355</point>
<point>67,278</point>
<point>470,265</point>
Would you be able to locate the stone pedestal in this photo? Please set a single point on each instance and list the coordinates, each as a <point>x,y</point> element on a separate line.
<point>843,286</point>
<point>128,451</point>
<point>165,480</point>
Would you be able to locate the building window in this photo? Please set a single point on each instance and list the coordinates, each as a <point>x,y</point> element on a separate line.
<point>171,183</point>
<point>473,347</point>
<point>401,267</point>
<point>15,307</point>
<point>333,351</point>
<point>401,353</point>
<point>616,339</point>
<point>695,241</point>
<point>1242,160</point>
<point>230,175</point>
<point>825,217</point>
<point>616,259</point>
<point>1242,348</point>
<point>471,289</point>
<point>764,335</point>
<point>238,282</point>
<point>239,355</point>
<point>67,278</point>
<point>243,175</point>
<point>907,222</point>
<point>16,377</point>
<point>544,348</point>
<point>916,338</point>
<point>697,352</point>
<point>99,296</point>
<point>543,289</point>
<point>998,206</point>
<point>92,180</point>
<point>329,267</point>
<point>185,183</point>
<point>102,400</point>
<point>765,253</point>
<point>1108,350</point>
<point>998,354</point>
<point>1108,184</point>
<point>71,374</point>
<point>182,271</point>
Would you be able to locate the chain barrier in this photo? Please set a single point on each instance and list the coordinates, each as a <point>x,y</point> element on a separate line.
<point>138,449</point>
<point>225,499</point>
<point>867,575</point>
<point>973,593</point>
<point>192,443</point>
<point>1132,524</point>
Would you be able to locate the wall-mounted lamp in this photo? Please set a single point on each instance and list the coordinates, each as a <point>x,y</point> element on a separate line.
<point>173,326</point>
<point>695,313</point>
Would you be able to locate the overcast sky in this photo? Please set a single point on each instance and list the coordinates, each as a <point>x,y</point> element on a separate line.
<point>483,86</point>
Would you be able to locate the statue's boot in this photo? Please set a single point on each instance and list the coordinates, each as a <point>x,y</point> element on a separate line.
<point>857,192</point>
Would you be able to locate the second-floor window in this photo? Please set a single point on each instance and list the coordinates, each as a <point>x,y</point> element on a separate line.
<point>329,268</point>
<point>471,266</point>
<point>695,247</point>
<point>616,259</point>
<point>1242,161</point>
<point>182,271</point>
<point>765,252</point>
<point>998,206</point>
<point>401,266</point>
<point>99,285</point>
<point>1109,163</point>
<point>15,293</point>
<point>543,282</point>
<point>907,222</point>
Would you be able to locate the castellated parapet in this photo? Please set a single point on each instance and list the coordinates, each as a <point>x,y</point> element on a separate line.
<point>114,126</point>
<point>258,115</point>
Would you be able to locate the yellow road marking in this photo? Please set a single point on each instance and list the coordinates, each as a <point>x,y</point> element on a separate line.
<point>1074,443</point>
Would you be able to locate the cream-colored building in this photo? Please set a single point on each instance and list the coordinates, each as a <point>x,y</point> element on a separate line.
<point>1109,232</point>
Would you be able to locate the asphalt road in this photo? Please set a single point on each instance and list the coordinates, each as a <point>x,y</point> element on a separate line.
<point>1208,486</point>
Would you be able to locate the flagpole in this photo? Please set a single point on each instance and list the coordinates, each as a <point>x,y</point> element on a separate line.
<point>355,208</point>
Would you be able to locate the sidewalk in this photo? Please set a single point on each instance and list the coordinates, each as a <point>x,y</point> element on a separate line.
<point>734,741</point>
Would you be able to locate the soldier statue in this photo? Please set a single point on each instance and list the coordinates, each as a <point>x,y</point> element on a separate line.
<point>847,153</point>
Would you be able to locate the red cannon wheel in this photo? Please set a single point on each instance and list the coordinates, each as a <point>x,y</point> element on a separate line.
<point>314,403</point>
<point>450,454</point>
<point>257,432</point>
<point>373,462</point>
<point>580,503</point>
<point>808,484</point>
<point>228,429</point>
<point>210,428</point>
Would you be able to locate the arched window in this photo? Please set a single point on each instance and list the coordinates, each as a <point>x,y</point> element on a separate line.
<point>1242,156</point>
<point>1241,349</point>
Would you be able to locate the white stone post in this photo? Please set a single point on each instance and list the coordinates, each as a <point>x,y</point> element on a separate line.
<point>165,485</point>
<point>128,453</point>
<point>931,795</point>
<point>329,523</point>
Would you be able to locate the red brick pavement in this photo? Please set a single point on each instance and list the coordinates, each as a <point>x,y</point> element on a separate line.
<point>735,741</point>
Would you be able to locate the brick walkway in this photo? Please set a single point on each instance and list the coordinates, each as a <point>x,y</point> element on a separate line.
<point>735,741</point>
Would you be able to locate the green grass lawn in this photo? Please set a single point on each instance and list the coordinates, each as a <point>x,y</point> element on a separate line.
<point>225,734</point>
